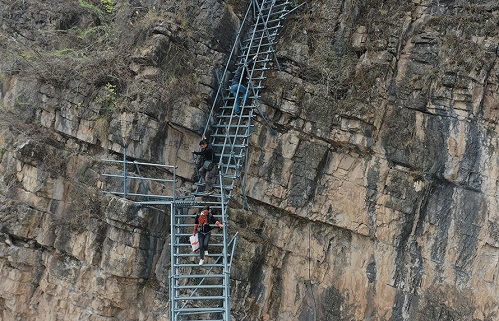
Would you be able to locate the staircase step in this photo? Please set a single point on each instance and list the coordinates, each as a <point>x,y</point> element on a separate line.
<point>228,108</point>
<point>235,146</point>
<point>271,20</point>
<point>231,126</point>
<point>199,276</point>
<point>259,40</point>
<point>190,225</point>
<point>193,216</point>
<point>204,319</point>
<point>231,176</point>
<point>251,46</point>
<point>180,245</point>
<point>197,298</point>
<point>237,156</point>
<point>280,5</point>
<point>224,116</point>
<point>261,53</point>
<point>273,24</point>
<point>200,205</point>
<point>233,160</point>
<point>200,286</point>
<point>207,319</point>
<point>263,57</point>
<point>216,186</point>
<point>195,254</point>
<point>277,14</point>
<point>206,264</point>
<point>215,194</point>
<point>183,311</point>
<point>232,166</point>
<point>212,234</point>
<point>241,136</point>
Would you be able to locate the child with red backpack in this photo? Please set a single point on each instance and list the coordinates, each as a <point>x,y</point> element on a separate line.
<point>202,225</point>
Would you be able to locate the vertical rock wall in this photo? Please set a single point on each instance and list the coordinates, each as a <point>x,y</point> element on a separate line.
<point>376,199</point>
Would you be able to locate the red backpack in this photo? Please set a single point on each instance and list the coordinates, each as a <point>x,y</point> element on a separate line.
<point>203,218</point>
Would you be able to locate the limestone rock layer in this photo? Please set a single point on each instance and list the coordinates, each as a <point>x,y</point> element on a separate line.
<point>376,198</point>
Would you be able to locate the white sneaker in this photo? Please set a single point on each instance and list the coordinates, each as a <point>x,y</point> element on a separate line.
<point>201,262</point>
<point>205,253</point>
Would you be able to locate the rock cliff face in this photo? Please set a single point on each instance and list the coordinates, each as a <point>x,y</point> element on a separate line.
<point>377,199</point>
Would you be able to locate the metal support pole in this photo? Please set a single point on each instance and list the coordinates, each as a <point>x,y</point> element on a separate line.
<point>124,171</point>
<point>170,287</point>
<point>173,285</point>
<point>225,254</point>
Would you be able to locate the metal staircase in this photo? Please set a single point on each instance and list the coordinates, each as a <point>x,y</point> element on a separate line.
<point>229,133</point>
<point>199,292</point>
<point>202,292</point>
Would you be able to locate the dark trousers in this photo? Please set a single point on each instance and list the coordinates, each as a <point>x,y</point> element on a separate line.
<point>208,176</point>
<point>241,93</point>
<point>204,239</point>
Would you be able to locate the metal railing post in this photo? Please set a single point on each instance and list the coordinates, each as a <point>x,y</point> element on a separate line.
<point>124,171</point>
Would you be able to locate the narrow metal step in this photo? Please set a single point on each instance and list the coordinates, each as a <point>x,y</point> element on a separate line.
<point>199,276</point>
<point>210,319</point>
<point>260,69</point>
<point>197,265</point>
<point>189,234</point>
<point>198,310</point>
<point>234,146</point>
<point>275,14</point>
<point>200,286</point>
<point>231,98</point>
<point>231,176</point>
<point>273,6</point>
<point>216,215</point>
<point>215,194</point>
<point>232,166</point>
<point>241,136</point>
<point>250,46</point>
<point>274,18</point>
<point>219,155</point>
<point>188,244</point>
<point>201,205</point>
<point>259,39</point>
<point>223,116</point>
<point>261,54</point>
<point>231,126</point>
<point>193,298</point>
<point>196,254</point>
<point>273,24</point>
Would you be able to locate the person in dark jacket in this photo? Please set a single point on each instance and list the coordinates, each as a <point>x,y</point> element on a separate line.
<point>239,84</point>
<point>208,166</point>
<point>202,226</point>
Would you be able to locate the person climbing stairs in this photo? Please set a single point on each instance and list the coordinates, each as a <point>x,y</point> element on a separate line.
<point>202,292</point>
